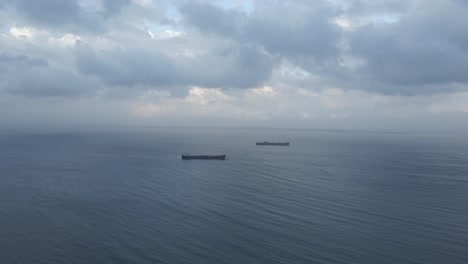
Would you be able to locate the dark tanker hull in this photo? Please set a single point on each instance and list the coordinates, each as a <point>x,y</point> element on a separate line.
<point>204,157</point>
<point>272,143</point>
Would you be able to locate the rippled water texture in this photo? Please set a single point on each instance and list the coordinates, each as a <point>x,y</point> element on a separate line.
<point>125,196</point>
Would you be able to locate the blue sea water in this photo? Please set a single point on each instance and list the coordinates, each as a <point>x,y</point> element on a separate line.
<point>120,195</point>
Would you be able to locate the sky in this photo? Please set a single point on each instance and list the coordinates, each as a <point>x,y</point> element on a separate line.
<point>397,65</point>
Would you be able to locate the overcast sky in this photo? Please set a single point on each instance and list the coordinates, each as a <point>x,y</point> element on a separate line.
<point>361,64</point>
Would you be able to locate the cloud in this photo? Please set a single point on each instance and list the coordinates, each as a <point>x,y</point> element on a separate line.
<point>284,29</point>
<point>167,34</point>
<point>35,77</point>
<point>240,67</point>
<point>48,83</point>
<point>290,61</point>
<point>424,48</point>
<point>55,14</point>
<point>213,19</point>
<point>75,16</point>
<point>49,12</point>
<point>126,67</point>
<point>235,66</point>
<point>8,58</point>
<point>113,7</point>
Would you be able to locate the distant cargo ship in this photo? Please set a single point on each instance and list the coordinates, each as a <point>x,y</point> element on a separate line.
<point>203,157</point>
<point>265,143</point>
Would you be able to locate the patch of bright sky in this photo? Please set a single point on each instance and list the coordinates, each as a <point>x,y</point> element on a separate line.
<point>160,31</point>
<point>293,72</point>
<point>350,23</point>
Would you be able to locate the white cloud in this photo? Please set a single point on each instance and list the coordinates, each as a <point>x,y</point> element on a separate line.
<point>167,34</point>
<point>68,39</point>
<point>26,32</point>
<point>204,96</point>
<point>261,93</point>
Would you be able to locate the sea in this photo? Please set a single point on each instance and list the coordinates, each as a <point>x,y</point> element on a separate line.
<point>124,195</point>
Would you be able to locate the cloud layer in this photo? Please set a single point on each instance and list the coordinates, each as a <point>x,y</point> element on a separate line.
<point>154,57</point>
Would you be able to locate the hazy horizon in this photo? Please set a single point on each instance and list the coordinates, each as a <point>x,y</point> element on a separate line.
<point>111,128</point>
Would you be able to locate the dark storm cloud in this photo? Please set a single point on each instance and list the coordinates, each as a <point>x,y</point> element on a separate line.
<point>113,7</point>
<point>21,74</point>
<point>8,57</point>
<point>40,83</point>
<point>126,67</point>
<point>66,15</point>
<point>240,67</point>
<point>424,48</point>
<point>11,62</point>
<point>412,47</point>
<point>49,12</point>
<point>213,19</point>
<point>283,29</point>
<point>47,82</point>
<point>372,7</point>
<point>300,32</point>
<point>416,46</point>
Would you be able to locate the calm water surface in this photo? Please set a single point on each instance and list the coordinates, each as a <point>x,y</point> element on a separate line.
<point>125,196</point>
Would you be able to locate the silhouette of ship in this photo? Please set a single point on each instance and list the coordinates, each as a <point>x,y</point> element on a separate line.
<point>265,143</point>
<point>203,157</point>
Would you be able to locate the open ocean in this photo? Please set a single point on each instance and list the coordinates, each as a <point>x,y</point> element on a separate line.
<point>117,195</point>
